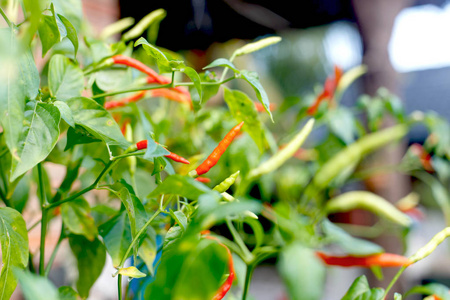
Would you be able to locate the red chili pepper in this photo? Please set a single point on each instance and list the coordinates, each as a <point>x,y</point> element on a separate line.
<point>214,157</point>
<point>175,157</point>
<point>329,88</point>
<point>134,63</point>
<point>124,101</point>
<point>223,290</point>
<point>424,156</point>
<point>381,260</point>
<point>203,179</point>
<point>124,126</point>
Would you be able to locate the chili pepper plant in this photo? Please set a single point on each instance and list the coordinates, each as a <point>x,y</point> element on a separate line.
<point>187,197</point>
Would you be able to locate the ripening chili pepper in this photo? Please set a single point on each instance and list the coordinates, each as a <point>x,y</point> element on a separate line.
<point>203,179</point>
<point>214,157</point>
<point>424,156</point>
<point>175,157</point>
<point>124,101</point>
<point>225,185</point>
<point>123,129</point>
<point>223,290</point>
<point>381,260</point>
<point>329,88</point>
<point>134,63</point>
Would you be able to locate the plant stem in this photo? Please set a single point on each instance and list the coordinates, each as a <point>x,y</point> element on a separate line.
<point>34,225</point>
<point>136,238</point>
<point>391,284</point>
<point>248,277</point>
<point>237,238</point>
<point>119,286</point>
<point>136,89</point>
<point>42,245</point>
<point>3,196</point>
<point>10,25</point>
<point>55,250</point>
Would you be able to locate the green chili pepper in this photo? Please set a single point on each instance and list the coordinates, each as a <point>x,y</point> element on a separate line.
<point>368,201</point>
<point>225,185</point>
<point>431,245</point>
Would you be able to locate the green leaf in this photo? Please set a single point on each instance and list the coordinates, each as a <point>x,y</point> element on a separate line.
<point>302,272</point>
<point>65,79</point>
<point>35,287</point>
<point>209,90</point>
<point>116,235</point>
<point>77,218</point>
<point>349,244</point>
<point>147,252</point>
<point>243,109</point>
<point>65,112</point>
<point>72,10</point>
<point>71,32</point>
<point>67,293</point>
<point>360,290</point>
<point>135,210</point>
<point>14,246</point>
<point>222,62</point>
<point>437,289</point>
<point>154,150</point>
<point>132,272</point>
<point>79,136</point>
<point>39,136</point>
<point>172,235</point>
<point>253,80</point>
<point>48,32</point>
<point>162,61</point>
<point>97,121</point>
<point>397,296</point>
<point>196,95</point>
<point>258,230</point>
<point>180,185</point>
<point>342,124</point>
<point>186,266</point>
<point>91,258</point>
<point>19,82</point>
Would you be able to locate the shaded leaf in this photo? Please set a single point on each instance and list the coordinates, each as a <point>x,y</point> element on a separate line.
<point>35,287</point>
<point>77,218</point>
<point>116,235</point>
<point>65,79</point>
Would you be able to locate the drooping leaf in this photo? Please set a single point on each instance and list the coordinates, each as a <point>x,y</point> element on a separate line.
<point>197,93</point>
<point>71,32</point>
<point>35,287</point>
<point>14,246</point>
<point>48,32</point>
<point>95,119</point>
<point>302,272</point>
<point>132,272</point>
<point>116,235</point>
<point>65,112</point>
<point>91,257</point>
<point>243,109</point>
<point>253,80</point>
<point>65,79</point>
<point>135,210</point>
<point>164,64</point>
<point>39,136</point>
<point>77,218</point>
<point>72,10</point>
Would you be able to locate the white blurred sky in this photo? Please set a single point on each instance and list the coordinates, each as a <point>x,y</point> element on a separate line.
<point>420,40</point>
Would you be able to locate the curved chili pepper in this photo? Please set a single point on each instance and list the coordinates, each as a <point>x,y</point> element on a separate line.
<point>381,260</point>
<point>124,101</point>
<point>203,179</point>
<point>174,95</point>
<point>136,64</point>
<point>223,290</point>
<point>175,157</point>
<point>214,157</point>
<point>329,88</point>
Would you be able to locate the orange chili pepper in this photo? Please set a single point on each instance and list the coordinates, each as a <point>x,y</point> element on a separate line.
<point>381,260</point>
<point>260,108</point>
<point>203,179</point>
<point>424,156</point>
<point>175,157</point>
<point>214,157</point>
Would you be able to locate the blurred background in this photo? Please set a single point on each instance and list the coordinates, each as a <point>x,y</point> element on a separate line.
<point>404,43</point>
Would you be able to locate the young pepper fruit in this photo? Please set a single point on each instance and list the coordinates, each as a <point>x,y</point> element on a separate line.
<point>214,157</point>
<point>381,260</point>
<point>175,157</point>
